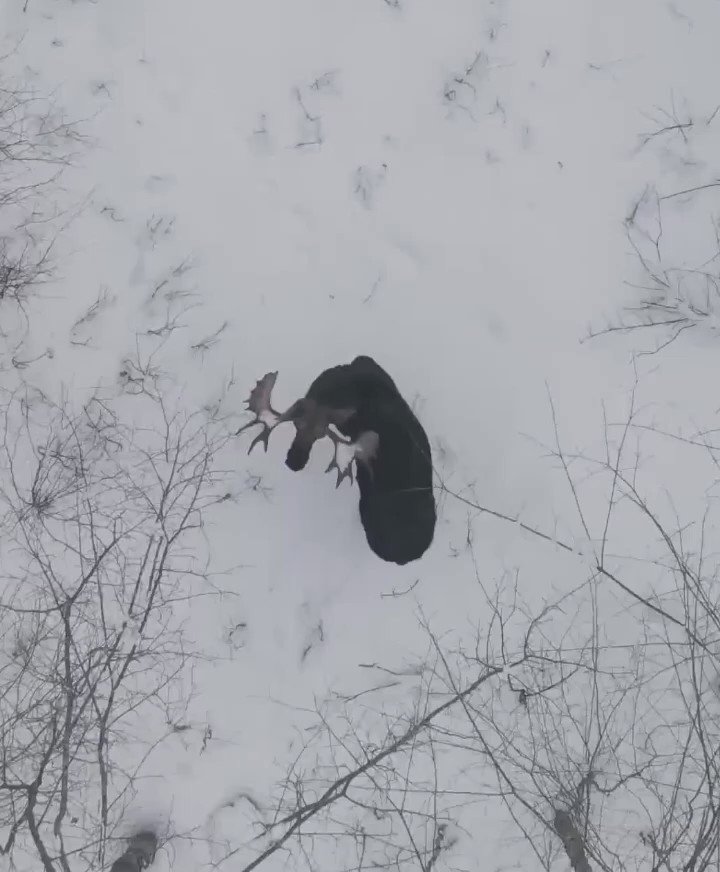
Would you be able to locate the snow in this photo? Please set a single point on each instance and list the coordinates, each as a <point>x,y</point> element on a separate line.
<point>445,187</point>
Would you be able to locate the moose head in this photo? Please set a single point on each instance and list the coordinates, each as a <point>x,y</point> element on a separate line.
<point>312,421</point>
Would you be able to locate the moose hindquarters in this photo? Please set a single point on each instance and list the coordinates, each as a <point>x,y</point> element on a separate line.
<point>399,526</point>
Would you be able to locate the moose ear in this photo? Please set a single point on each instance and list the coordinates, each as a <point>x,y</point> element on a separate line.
<point>340,416</point>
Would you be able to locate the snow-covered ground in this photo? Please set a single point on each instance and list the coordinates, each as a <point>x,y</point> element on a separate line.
<point>463,190</point>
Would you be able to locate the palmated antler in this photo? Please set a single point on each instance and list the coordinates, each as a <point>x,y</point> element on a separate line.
<point>362,450</point>
<point>314,417</point>
<point>259,403</point>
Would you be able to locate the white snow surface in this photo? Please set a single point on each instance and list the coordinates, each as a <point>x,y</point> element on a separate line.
<point>444,187</point>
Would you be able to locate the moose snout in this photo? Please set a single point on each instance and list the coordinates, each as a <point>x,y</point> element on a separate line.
<point>298,455</point>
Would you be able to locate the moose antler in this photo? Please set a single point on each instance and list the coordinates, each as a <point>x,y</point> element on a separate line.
<point>363,449</point>
<point>259,403</point>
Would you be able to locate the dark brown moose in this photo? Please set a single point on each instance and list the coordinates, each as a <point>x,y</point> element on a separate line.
<point>380,433</point>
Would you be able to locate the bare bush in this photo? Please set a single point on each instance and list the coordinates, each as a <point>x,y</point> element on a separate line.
<point>100,525</point>
<point>36,144</point>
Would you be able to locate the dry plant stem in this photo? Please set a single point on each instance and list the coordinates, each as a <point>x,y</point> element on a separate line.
<point>676,297</point>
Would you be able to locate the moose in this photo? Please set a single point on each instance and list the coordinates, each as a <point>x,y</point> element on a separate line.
<point>380,433</point>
